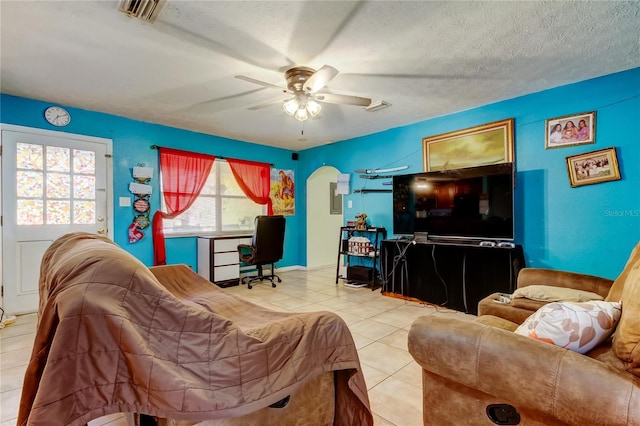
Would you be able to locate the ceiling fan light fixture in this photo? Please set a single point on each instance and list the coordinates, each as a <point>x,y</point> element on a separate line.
<point>304,83</point>
<point>290,106</point>
<point>301,106</point>
<point>301,114</point>
<point>313,107</point>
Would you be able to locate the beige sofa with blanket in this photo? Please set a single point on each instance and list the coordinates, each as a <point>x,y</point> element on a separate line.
<point>470,366</point>
<point>114,336</point>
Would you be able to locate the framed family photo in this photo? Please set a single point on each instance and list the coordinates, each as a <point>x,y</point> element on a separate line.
<point>490,143</point>
<point>593,167</point>
<point>570,130</point>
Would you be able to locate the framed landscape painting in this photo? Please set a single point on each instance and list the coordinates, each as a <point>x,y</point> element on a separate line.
<point>571,130</point>
<point>593,167</point>
<point>490,143</point>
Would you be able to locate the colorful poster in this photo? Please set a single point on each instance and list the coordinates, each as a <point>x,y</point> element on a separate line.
<point>282,192</point>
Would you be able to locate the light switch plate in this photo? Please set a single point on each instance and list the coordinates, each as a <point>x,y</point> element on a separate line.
<point>350,203</point>
<point>125,202</point>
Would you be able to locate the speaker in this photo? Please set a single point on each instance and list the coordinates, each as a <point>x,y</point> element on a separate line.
<point>294,156</point>
<point>359,273</point>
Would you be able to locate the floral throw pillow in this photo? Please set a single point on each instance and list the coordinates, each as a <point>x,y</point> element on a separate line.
<point>576,326</point>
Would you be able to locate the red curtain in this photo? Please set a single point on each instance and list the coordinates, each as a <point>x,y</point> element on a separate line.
<point>183,176</point>
<point>254,180</point>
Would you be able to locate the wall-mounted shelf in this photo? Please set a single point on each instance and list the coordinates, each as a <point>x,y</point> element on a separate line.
<point>364,191</point>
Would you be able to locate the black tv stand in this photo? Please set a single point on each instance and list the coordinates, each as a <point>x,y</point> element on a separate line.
<point>452,273</point>
<point>468,242</point>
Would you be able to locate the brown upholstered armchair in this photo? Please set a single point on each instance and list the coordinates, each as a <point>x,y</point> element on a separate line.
<point>482,373</point>
<point>518,309</point>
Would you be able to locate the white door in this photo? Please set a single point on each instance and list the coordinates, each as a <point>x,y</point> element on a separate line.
<point>52,184</point>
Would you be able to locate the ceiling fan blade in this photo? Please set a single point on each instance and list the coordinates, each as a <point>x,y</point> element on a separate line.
<point>261,83</point>
<point>310,37</point>
<point>254,51</point>
<point>320,78</point>
<point>265,104</point>
<point>333,98</point>
<point>222,103</point>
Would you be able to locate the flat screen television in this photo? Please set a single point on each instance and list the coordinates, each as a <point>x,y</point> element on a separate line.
<point>471,203</point>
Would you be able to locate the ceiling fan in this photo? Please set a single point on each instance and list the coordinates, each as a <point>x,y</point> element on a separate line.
<point>305,84</point>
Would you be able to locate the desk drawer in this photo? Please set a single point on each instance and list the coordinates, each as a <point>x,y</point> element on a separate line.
<point>228,272</point>
<point>218,258</point>
<point>230,244</point>
<point>228,258</point>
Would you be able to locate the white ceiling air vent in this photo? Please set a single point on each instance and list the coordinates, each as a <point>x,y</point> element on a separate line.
<point>377,106</point>
<point>147,10</point>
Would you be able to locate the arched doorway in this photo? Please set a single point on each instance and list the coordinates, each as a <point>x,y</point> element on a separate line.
<point>323,228</point>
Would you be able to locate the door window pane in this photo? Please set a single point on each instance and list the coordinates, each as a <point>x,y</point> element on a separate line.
<point>30,212</point>
<point>84,212</point>
<point>84,187</point>
<point>58,212</point>
<point>58,185</point>
<point>58,159</point>
<point>84,162</point>
<point>29,184</point>
<point>29,156</point>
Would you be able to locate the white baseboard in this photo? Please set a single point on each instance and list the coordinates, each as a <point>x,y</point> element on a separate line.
<point>313,268</point>
<point>290,268</point>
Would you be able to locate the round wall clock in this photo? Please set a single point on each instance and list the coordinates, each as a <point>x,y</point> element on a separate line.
<point>57,116</point>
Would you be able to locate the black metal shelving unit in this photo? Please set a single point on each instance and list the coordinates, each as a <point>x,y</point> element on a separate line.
<point>369,273</point>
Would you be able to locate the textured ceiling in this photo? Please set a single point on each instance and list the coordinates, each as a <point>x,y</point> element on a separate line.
<point>425,58</point>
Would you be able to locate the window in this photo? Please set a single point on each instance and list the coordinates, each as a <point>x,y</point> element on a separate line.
<point>221,207</point>
<point>55,185</point>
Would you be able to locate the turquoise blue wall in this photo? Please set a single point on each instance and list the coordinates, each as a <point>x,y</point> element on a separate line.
<point>131,145</point>
<point>589,229</point>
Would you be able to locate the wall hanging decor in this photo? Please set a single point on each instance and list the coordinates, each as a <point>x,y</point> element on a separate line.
<point>141,207</point>
<point>490,143</point>
<point>570,130</point>
<point>283,192</point>
<point>593,167</point>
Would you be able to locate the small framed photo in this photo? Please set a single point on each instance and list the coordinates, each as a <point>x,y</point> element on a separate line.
<point>593,167</point>
<point>570,130</point>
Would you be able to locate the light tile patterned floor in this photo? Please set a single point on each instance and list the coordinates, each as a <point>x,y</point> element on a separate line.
<point>379,326</point>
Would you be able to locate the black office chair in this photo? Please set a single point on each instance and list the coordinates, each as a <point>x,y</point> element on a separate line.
<point>265,248</point>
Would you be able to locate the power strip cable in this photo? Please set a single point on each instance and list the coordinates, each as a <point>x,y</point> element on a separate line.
<point>435,268</point>
<point>404,273</point>
<point>464,280</point>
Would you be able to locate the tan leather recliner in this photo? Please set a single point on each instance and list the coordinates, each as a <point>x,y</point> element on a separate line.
<point>470,368</point>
